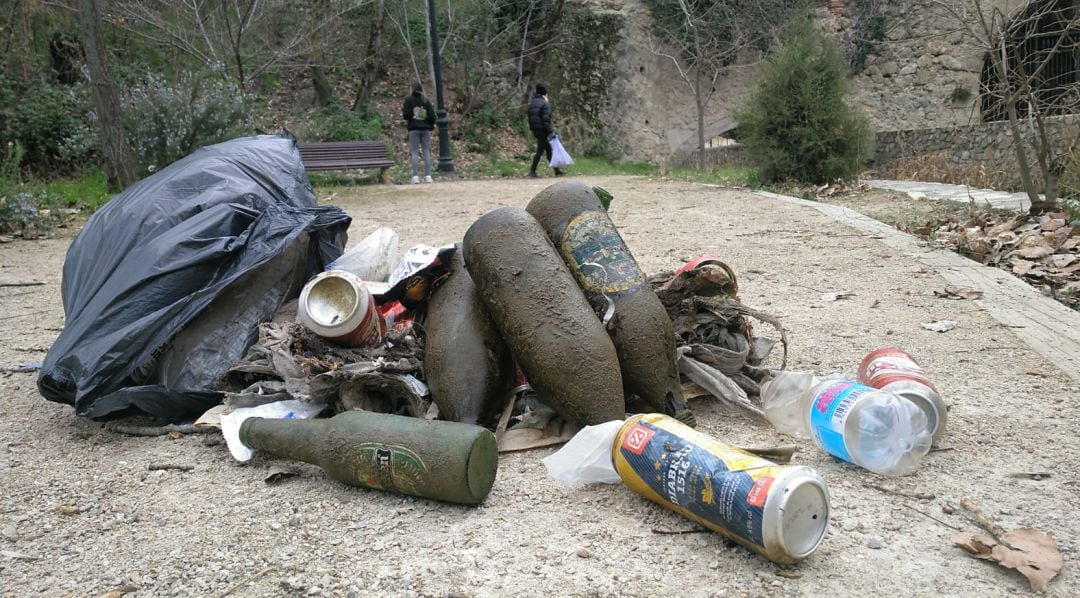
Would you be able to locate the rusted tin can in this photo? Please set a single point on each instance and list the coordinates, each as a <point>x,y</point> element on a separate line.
<point>338,307</point>
<point>894,370</point>
<point>778,511</point>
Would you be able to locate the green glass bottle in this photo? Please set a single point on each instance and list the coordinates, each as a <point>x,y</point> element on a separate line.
<point>434,459</point>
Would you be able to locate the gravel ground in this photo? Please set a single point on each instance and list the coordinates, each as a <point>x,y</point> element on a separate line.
<point>82,514</point>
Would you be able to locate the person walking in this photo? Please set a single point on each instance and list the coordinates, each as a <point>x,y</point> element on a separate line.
<point>419,117</point>
<point>540,125</point>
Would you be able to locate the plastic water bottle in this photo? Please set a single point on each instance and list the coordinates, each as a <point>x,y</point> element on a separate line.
<point>874,429</point>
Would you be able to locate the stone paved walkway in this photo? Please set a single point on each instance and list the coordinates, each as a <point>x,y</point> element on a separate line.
<point>959,193</point>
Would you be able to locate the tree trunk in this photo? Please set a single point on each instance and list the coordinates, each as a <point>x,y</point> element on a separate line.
<point>699,103</point>
<point>430,50</point>
<point>118,164</point>
<point>324,94</point>
<point>369,72</point>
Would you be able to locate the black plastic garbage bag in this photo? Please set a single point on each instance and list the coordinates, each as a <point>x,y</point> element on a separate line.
<point>164,287</point>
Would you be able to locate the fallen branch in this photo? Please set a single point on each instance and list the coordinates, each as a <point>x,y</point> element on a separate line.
<point>677,532</point>
<point>155,430</point>
<point>247,580</point>
<point>33,313</point>
<point>929,516</point>
<point>900,492</point>
<point>163,466</point>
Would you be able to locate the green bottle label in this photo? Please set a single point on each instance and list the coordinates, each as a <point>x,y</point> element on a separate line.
<point>389,467</point>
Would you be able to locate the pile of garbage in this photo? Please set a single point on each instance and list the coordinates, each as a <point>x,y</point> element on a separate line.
<point>217,288</point>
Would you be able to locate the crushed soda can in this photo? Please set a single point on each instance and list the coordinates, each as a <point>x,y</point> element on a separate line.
<point>779,511</point>
<point>894,370</point>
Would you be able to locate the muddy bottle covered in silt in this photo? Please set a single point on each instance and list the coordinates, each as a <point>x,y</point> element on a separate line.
<point>466,362</point>
<point>543,316</point>
<point>640,328</point>
<point>434,459</point>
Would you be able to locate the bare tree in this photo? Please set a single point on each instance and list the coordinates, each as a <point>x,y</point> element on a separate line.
<point>1030,75</point>
<point>119,169</point>
<point>703,38</point>
<point>236,34</point>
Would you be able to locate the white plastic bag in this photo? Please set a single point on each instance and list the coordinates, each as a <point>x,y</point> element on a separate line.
<point>230,422</point>
<point>560,158</point>
<point>586,459</point>
<point>372,258</point>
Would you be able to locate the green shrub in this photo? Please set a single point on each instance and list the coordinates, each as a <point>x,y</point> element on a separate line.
<point>335,123</point>
<point>795,124</point>
<point>49,123</point>
<point>481,127</point>
<point>166,121</point>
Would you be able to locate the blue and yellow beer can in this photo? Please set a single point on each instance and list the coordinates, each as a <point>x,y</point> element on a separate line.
<point>779,511</point>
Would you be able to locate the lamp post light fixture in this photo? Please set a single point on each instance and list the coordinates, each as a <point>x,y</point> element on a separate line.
<point>446,163</point>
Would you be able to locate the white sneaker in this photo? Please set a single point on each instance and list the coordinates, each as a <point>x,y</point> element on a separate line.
<point>416,180</point>
<point>427,179</point>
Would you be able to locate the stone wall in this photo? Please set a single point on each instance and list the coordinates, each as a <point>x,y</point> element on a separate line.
<point>925,72</point>
<point>984,143</point>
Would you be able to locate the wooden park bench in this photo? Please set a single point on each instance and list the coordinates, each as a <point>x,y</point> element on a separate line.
<point>346,155</point>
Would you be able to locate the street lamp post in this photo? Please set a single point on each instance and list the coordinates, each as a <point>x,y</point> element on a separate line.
<point>446,163</point>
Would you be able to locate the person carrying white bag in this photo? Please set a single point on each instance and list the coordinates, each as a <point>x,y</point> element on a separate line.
<point>540,124</point>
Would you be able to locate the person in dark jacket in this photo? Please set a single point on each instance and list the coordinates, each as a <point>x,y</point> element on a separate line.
<point>419,117</point>
<point>540,125</point>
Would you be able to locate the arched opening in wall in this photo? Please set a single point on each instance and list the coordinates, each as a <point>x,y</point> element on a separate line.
<point>1039,56</point>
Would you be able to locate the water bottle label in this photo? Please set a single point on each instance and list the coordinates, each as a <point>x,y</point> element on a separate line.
<point>832,405</point>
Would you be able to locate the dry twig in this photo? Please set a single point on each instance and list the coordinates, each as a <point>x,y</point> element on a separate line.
<point>985,521</point>
<point>901,492</point>
<point>162,466</point>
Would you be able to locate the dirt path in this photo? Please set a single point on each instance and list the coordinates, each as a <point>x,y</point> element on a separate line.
<point>80,514</point>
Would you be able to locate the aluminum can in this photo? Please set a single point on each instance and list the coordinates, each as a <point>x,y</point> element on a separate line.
<point>778,511</point>
<point>894,370</point>
<point>337,306</point>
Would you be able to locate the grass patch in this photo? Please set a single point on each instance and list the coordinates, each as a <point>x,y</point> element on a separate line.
<point>34,208</point>
<point>727,176</point>
<point>88,192</point>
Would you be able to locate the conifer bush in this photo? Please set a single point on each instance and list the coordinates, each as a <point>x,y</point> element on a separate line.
<point>795,123</point>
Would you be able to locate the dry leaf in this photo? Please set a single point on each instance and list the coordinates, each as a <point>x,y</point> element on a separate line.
<point>940,325</point>
<point>954,292</point>
<point>1022,267</point>
<point>1032,553</point>
<point>276,475</point>
<point>1060,261</point>
<point>1053,224</point>
<point>1034,253</point>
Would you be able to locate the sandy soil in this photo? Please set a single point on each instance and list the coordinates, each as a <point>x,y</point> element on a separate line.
<point>81,514</point>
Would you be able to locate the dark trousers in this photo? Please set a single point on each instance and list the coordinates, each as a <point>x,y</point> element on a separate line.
<point>543,146</point>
